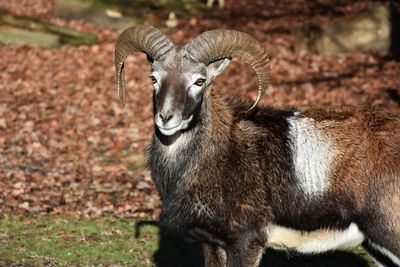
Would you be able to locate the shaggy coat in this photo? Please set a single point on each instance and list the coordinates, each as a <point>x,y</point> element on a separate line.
<point>239,177</point>
<point>229,177</point>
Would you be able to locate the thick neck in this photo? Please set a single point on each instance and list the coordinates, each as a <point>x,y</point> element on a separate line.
<point>175,159</point>
<point>171,157</point>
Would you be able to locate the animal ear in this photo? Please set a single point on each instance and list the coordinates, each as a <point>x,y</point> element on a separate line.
<point>217,67</point>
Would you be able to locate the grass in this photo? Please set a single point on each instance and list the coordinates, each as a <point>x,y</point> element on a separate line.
<point>70,241</point>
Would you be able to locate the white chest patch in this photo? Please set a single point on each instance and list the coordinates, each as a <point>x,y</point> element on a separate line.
<point>173,149</point>
<point>313,155</point>
<point>313,242</point>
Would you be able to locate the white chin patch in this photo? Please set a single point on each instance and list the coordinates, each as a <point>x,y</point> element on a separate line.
<point>171,131</point>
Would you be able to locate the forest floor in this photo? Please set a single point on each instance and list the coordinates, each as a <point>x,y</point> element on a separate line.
<point>69,150</point>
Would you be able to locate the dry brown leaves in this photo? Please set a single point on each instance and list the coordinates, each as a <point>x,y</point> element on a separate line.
<point>28,8</point>
<point>67,146</point>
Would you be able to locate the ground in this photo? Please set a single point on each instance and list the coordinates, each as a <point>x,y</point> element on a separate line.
<point>69,150</point>
<point>71,241</point>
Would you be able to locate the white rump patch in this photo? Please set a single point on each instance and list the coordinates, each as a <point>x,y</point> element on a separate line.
<point>318,241</point>
<point>313,155</point>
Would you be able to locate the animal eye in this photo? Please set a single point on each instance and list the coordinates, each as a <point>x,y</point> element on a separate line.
<point>200,82</point>
<point>153,79</point>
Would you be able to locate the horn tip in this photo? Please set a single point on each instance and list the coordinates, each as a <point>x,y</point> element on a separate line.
<point>251,109</point>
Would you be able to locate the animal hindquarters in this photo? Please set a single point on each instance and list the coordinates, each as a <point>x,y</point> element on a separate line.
<point>380,219</point>
<point>381,224</point>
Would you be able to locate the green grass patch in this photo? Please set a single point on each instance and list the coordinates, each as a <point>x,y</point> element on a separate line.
<point>71,241</point>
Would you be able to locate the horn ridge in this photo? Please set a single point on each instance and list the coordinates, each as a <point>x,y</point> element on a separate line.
<point>145,39</point>
<point>218,44</point>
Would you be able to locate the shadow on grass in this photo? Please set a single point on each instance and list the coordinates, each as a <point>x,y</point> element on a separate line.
<point>176,251</point>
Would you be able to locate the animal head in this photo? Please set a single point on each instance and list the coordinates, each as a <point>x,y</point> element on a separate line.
<point>182,74</point>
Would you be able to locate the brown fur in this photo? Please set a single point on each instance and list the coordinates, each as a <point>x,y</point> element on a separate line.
<point>230,209</point>
<point>368,167</point>
<point>224,176</point>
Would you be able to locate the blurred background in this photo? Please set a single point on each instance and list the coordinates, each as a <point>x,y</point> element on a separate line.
<point>69,153</point>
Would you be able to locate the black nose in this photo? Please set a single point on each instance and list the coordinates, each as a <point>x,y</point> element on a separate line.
<point>165,118</point>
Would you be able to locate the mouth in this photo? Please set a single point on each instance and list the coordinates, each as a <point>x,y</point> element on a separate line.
<point>169,131</point>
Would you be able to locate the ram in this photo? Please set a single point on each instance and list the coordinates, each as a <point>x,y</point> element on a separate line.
<point>239,177</point>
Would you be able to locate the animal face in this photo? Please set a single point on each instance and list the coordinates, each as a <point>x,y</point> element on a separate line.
<point>179,84</point>
<point>182,74</point>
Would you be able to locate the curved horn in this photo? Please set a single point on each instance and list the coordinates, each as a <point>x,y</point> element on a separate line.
<point>218,44</point>
<point>146,39</point>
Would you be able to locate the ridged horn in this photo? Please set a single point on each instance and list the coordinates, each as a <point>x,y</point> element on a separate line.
<point>146,39</point>
<point>218,44</point>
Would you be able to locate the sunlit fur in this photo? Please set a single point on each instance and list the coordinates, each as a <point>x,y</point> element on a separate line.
<point>313,242</point>
<point>237,181</point>
<point>316,171</point>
